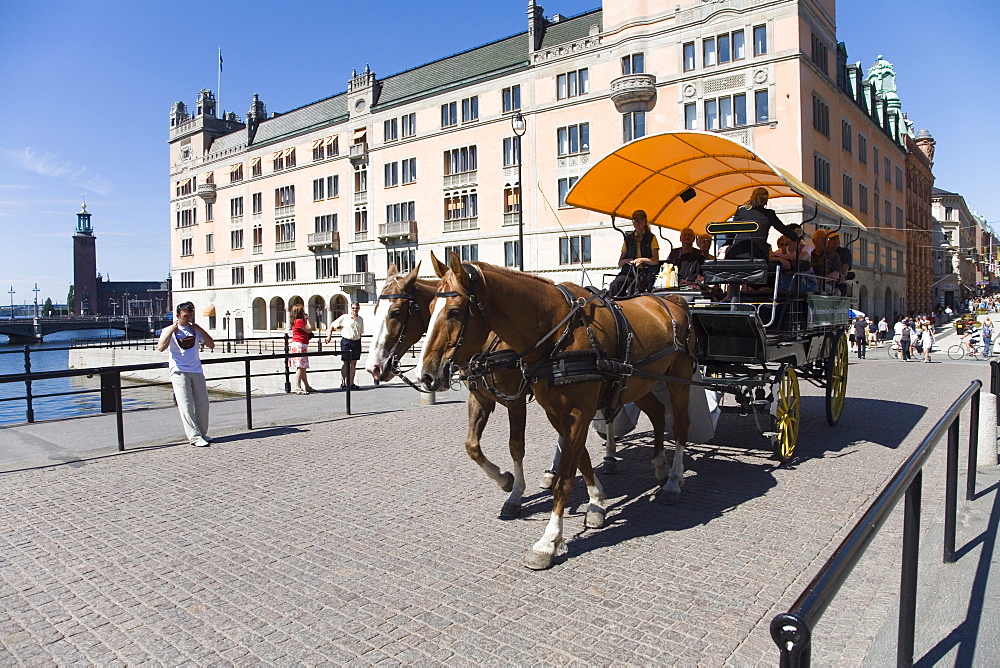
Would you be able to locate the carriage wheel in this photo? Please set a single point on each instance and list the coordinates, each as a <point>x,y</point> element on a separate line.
<point>836,381</point>
<point>786,415</point>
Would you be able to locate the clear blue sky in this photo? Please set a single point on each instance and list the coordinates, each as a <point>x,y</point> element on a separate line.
<point>88,86</point>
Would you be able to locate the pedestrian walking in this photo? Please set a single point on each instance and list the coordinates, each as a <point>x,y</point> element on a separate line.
<point>905,339</point>
<point>987,333</point>
<point>184,340</point>
<point>927,339</point>
<point>860,336</point>
<point>883,331</point>
<point>301,335</point>
<point>352,327</point>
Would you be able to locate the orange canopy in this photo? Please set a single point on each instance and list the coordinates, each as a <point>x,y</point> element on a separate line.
<point>687,179</point>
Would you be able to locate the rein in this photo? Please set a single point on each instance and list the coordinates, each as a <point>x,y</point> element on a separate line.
<point>413,306</point>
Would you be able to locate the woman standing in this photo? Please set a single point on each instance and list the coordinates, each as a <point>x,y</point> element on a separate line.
<point>352,327</point>
<point>927,341</point>
<point>301,334</point>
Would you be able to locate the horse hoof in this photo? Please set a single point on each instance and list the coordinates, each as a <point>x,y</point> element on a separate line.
<point>507,483</point>
<point>669,497</point>
<point>510,511</point>
<point>546,481</point>
<point>595,518</point>
<point>537,561</point>
<point>610,466</point>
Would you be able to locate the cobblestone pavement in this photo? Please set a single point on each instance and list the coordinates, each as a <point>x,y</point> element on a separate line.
<point>375,539</point>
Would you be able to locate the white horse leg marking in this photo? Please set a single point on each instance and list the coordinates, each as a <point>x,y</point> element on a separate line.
<point>672,489</point>
<point>610,463</point>
<point>551,543</point>
<point>519,485</point>
<point>660,466</point>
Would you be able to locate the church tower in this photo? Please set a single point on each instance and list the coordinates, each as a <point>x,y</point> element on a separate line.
<point>84,265</point>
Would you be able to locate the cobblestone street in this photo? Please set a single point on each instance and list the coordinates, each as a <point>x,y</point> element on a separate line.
<point>374,538</point>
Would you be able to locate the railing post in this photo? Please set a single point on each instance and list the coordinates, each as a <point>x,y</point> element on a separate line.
<point>908,576</point>
<point>118,412</point>
<point>288,379</point>
<point>793,637</point>
<point>348,384</point>
<point>246,371</point>
<point>30,411</point>
<point>951,492</point>
<point>970,477</point>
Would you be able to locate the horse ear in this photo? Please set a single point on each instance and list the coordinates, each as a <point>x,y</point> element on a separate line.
<point>440,268</point>
<point>392,271</point>
<point>455,265</point>
<point>411,278</point>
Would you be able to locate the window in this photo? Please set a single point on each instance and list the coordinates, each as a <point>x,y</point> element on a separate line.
<point>405,259</point>
<point>875,163</point>
<point>888,213</point>
<point>461,211</point>
<point>821,115</point>
<point>284,236</point>
<point>235,239</point>
<point>708,52</point>
<point>633,125</point>
<point>511,199</point>
<point>327,223</point>
<point>209,211</point>
<point>863,252</point>
<point>689,63</point>
<point>186,186</point>
<point>900,224</point>
<point>284,196</point>
<point>319,189</point>
<point>465,252</point>
<point>361,264</point>
<point>819,53</point>
<point>255,169</point>
<point>863,197</point>
<point>284,271</point>
<point>574,249</point>
<point>470,109</point>
<point>846,136</point>
<point>848,190</point>
<point>726,112</point>
<point>691,116</point>
<point>949,215</point>
<point>187,279</point>
<point>401,212</point>
<point>360,179</point>
<point>759,40</point>
<point>187,247</point>
<point>258,239</point>
<point>887,172</point>
<point>573,139</point>
<point>236,207</point>
<point>325,148</point>
<point>899,179</point>
<point>762,114</point>
<point>238,276</point>
<point>862,149</point>
<point>460,160</point>
<point>511,253</point>
<point>730,47</point>
<point>409,123</point>
<point>361,224</point>
<point>511,99</point>
<point>510,151</point>
<point>572,84</point>
<point>876,208</point>
<point>409,169</point>
<point>333,186</point>
<point>391,128</point>
<point>391,174</point>
<point>289,157</point>
<point>278,161</point>
<point>326,267</point>
<point>821,171</point>
<point>258,273</point>
<point>565,185</point>
<point>634,64</point>
<point>449,114</point>
<point>187,217</point>
<point>209,243</point>
<point>236,173</point>
<point>899,261</point>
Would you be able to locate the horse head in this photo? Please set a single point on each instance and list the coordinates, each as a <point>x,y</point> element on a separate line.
<point>407,313</point>
<point>458,326</point>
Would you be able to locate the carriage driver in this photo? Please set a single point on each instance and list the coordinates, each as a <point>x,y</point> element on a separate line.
<point>754,244</point>
<point>639,260</point>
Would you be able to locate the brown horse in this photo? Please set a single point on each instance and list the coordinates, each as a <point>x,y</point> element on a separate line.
<point>532,314</point>
<point>406,320</point>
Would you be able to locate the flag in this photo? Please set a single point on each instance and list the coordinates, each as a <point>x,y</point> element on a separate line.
<point>220,58</point>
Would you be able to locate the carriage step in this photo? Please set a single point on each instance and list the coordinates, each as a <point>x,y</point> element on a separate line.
<point>769,434</point>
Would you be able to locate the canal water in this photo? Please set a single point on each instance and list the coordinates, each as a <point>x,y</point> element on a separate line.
<point>53,356</point>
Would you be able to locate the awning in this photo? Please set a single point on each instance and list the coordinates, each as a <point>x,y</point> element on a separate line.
<point>209,311</point>
<point>687,179</point>
<point>360,134</point>
<point>317,143</point>
<point>329,140</point>
<point>183,182</point>
<point>209,177</point>
<point>255,162</point>
<point>289,151</point>
<point>233,168</point>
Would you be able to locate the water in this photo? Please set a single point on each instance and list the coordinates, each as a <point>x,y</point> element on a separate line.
<point>46,357</point>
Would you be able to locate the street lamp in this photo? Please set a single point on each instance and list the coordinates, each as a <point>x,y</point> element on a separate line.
<point>227,332</point>
<point>519,127</point>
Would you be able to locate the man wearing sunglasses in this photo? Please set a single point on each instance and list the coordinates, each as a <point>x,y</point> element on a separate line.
<point>184,339</point>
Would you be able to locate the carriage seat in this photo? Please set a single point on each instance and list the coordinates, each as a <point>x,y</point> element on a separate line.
<point>743,270</point>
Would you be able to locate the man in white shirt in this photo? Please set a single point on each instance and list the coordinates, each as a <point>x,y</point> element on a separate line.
<point>184,339</point>
<point>352,327</point>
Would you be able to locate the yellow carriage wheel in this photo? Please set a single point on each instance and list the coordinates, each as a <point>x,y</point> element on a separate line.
<point>786,415</point>
<point>836,381</point>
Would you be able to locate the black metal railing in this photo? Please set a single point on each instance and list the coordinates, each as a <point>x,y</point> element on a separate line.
<point>111,384</point>
<point>792,630</point>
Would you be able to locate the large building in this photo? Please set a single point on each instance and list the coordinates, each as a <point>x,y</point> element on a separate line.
<point>312,205</point>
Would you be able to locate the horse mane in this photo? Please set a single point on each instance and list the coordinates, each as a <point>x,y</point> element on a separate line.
<point>512,273</point>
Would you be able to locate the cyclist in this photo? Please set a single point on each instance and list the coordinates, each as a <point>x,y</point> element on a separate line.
<point>971,341</point>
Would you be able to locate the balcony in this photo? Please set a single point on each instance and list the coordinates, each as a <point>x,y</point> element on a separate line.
<point>633,92</point>
<point>206,191</point>
<point>361,280</point>
<point>235,221</point>
<point>510,218</point>
<point>284,245</point>
<point>324,240</point>
<point>287,211</point>
<point>361,198</point>
<point>400,231</point>
<point>460,224</point>
<point>460,179</point>
<point>358,152</point>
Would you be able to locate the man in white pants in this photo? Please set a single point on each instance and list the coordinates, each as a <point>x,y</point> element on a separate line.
<point>184,339</point>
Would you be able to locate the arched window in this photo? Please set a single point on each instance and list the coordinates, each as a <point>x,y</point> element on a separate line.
<point>277,313</point>
<point>317,312</point>
<point>338,306</point>
<point>259,309</point>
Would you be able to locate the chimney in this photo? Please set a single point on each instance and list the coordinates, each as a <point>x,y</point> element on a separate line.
<point>536,25</point>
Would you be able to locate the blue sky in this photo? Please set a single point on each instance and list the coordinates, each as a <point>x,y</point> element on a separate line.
<point>88,86</point>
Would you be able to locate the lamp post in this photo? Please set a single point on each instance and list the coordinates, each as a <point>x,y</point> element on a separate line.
<point>12,293</point>
<point>227,332</point>
<point>519,127</point>
<point>36,291</point>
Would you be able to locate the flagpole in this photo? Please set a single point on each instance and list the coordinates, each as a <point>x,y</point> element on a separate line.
<point>218,88</point>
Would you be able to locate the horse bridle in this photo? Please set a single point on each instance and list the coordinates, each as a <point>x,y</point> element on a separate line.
<point>413,306</point>
<point>472,298</point>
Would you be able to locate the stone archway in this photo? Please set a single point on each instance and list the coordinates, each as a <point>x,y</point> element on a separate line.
<point>259,313</point>
<point>863,300</point>
<point>277,313</point>
<point>890,311</point>
<point>338,306</point>
<point>317,313</point>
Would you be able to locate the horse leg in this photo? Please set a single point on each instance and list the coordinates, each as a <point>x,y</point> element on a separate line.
<point>679,397</point>
<point>479,414</point>
<point>654,410</point>
<point>610,463</point>
<point>597,506</point>
<point>516,418</point>
<point>550,475</point>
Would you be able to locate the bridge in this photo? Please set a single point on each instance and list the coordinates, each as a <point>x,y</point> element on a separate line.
<point>34,330</point>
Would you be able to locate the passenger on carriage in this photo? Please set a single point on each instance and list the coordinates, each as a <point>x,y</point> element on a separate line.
<point>688,261</point>
<point>826,261</point>
<point>639,260</point>
<point>796,267</point>
<point>754,244</point>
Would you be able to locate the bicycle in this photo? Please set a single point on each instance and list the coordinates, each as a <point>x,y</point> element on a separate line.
<point>960,350</point>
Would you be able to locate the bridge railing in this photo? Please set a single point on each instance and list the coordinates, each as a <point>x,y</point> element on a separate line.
<point>792,630</point>
<point>111,382</point>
